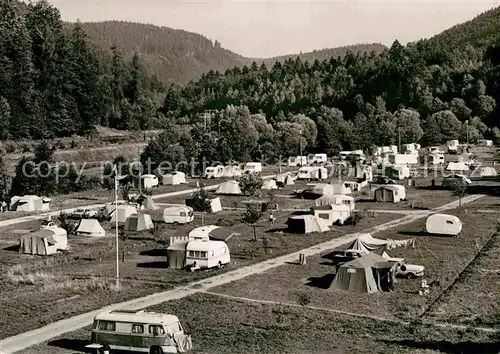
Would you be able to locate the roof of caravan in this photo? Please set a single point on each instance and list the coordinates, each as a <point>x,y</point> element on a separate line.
<point>137,316</point>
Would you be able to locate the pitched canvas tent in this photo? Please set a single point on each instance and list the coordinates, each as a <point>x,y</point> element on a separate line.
<point>456,167</point>
<point>387,193</point>
<point>176,252</point>
<point>149,204</point>
<point>357,275</point>
<point>174,178</point>
<point>269,184</point>
<point>178,214</point>
<point>335,199</point>
<point>122,213</point>
<point>366,243</point>
<point>304,224</point>
<point>138,222</point>
<point>483,171</point>
<point>322,189</point>
<point>90,227</point>
<point>333,213</point>
<point>29,203</point>
<point>340,188</point>
<point>228,188</point>
<point>443,224</point>
<point>110,207</point>
<point>44,242</point>
<point>211,232</point>
<point>284,179</point>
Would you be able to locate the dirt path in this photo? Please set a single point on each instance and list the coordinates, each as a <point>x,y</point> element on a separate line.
<point>34,337</point>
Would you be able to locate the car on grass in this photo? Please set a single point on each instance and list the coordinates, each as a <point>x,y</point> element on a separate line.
<point>84,213</point>
<point>409,271</point>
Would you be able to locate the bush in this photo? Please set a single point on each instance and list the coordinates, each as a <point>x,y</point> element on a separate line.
<point>253,213</point>
<point>67,224</point>
<point>250,183</point>
<point>354,219</point>
<point>10,148</point>
<point>303,299</point>
<point>200,201</point>
<point>26,148</point>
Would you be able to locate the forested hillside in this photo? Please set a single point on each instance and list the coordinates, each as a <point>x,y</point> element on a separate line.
<point>179,56</point>
<point>429,91</point>
<point>57,84</point>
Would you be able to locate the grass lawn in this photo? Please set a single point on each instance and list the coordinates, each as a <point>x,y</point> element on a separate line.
<point>88,270</point>
<point>444,258</point>
<point>222,326</point>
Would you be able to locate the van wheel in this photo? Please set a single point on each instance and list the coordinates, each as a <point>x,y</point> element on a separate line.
<point>219,265</point>
<point>410,276</point>
<point>155,350</point>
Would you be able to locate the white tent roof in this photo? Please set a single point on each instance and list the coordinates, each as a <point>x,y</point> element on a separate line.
<point>202,232</point>
<point>457,166</point>
<point>333,199</point>
<point>90,227</point>
<point>484,171</point>
<point>229,187</point>
<point>323,189</point>
<point>269,184</point>
<point>309,223</point>
<point>340,188</point>
<point>122,213</point>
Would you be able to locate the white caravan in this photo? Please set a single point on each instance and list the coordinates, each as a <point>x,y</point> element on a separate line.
<point>202,254</point>
<point>213,172</point>
<point>452,146</point>
<point>297,161</point>
<point>397,172</point>
<point>443,224</point>
<point>435,159</point>
<point>252,167</point>
<point>312,172</point>
<point>317,158</point>
<point>178,215</point>
<point>403,159</point>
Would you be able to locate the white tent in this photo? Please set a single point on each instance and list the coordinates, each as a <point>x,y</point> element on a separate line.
<point>304,224</point>
<point>443,224</point>
<point>285,179</point>
<point>122,213</point>
<point>44,242</point>
<point>333,213</point>
<point>28,203</point>
<point>138,222</point>
<point>457,167</point>
<point>322,189</point>
<point>215,205</point>
<point>485,143</point>
<point>174,178</point>
<point>335,199</point>
<point>340,188</point>
<point>178,214</point>
<point>229,187</point>
<point>110,207</point>
<point>366,243</point>
<point>483,171</point>
<point>90,227</point>
<point>149,181</point>
<point>269,184</point>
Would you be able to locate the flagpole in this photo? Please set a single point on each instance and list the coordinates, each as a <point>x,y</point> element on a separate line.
<point>116,230</point>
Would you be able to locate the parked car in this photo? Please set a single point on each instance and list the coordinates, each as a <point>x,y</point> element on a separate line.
<point>48,225</point>
<point>410,271</point>
<point>84,213</point>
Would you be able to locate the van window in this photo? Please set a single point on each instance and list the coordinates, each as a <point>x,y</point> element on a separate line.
<point>211,253</point>
<point>183,213</point>
<point>137,328</point>
<point>449,222</point>
<point>191,253</point>
<point>323,216</point>
<point>107,326</point>
<point>346,202</point>
<point>203,254</point>
<point>174,328</point>
<point>96,323</point>
<point>156,330</point>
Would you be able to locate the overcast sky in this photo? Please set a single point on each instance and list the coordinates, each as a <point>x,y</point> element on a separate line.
<point>270,28</point>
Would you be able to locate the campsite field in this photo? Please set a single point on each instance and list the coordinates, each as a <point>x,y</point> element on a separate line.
<point>225,326</point>
<point>63,285</point>
<point>444,259</point>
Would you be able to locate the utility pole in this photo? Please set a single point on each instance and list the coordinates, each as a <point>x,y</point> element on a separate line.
<point>399,139</point>
<point>300,146</point>
<point>116,231</point>
<point>467,127</point>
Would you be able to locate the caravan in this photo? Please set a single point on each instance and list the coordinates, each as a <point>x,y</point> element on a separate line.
<point>312,172</point>
<point>297,161</point>
<point>252,167</point>
<point>178,215</point>
<point>397,172</point>
<point>317,159</point>
<point>452,146</point>
<point>207,254</point>
<point>213,172</point>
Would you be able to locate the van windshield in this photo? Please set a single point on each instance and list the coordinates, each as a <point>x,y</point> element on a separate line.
<point>173,328</point>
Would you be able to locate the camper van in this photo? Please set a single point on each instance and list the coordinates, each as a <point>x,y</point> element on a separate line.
<point>452,146</point>
<point>296,161</point>
<point>252,167</point>
<point>312,172</point>
<point>403,159</point>
<point>206,254</point>
<point>214,172</point>
<point>139,331</point>
<point>435,159</point>
<point>317,158</point>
